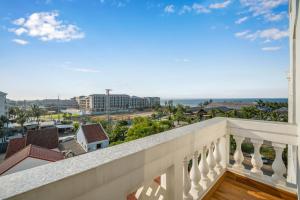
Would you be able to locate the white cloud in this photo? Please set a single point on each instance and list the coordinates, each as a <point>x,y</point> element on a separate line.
<point>19,21</point>
<point>198,8</point>
<point>170,8</point>
<point>271,48</point>
<point>271,17</point>
<point>242,34</point>
<point>267,34</point>
<point>260,7</point>
<point>85,70</point>
<point>46,27</point>
<point>220,5</point>
<point>185,9</point>
<point>241,20</point>
<point>20,42</point>
<point>19,31</point>
<point>265,8</point>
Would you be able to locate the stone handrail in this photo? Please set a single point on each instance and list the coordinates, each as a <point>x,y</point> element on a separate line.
<point>115,172</point>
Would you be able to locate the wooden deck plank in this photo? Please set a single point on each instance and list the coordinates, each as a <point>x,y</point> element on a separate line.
<point>235,187</point>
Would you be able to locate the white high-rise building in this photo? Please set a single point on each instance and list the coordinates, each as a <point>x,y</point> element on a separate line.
<point>117,102</point>
<point>2,103</point>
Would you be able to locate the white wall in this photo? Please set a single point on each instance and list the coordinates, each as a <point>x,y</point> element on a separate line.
<point>26,164</point>
<point>93,146</point>
<point>81,139</point>
<point>294,91</point>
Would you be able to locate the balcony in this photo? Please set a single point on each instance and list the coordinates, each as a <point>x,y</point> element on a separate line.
<point>191,162</point>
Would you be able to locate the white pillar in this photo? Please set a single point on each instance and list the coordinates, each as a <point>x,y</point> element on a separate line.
<point>203,166</point>
<point>211,163</point>
<point>278,166</point>
<point>256,160</point>
<point>196,190</point>
<point>217,156</point>
<point>238,154</point>
<point>186,181</point>
<point>174,181</point>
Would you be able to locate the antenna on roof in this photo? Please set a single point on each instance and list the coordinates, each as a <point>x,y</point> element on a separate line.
<point>108,105</point>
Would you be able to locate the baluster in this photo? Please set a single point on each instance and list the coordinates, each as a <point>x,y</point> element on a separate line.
<point>217,156</point>
<point>238,154</point>
<point>186,181</point>
<point>224,149</point>
<point>256,160</point>
<point>278,166</point>
<point>196,190</point>
<point>211,163</point>
<point>203,166</point>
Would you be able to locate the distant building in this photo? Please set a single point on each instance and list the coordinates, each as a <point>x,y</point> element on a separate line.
<point>49,104</point>
<point>117,102</point>
<point>92,137</point>
<point>3,109</point>
<point>29,157</point>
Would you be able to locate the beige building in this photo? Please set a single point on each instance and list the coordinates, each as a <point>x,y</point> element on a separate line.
<point>3,109</point>
<point>118,102</point>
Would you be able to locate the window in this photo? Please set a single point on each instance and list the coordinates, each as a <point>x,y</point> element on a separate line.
<point>98,146</point>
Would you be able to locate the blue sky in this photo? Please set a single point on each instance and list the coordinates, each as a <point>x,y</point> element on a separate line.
<point>171,49</point>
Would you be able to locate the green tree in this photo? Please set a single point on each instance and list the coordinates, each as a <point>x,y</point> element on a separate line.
<point>76,126</point>
<point>36,112</point>
<point>21,117</point>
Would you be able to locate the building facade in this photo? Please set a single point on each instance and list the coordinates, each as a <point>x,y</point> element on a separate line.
<point>3,109</point>
<point>92,137</point>
<point>117,102</point>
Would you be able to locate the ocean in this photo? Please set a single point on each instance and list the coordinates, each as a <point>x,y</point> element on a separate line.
<point>195,102</point>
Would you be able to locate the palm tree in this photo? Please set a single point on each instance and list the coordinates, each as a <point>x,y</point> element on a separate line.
<point>36,112</point>
<point>12,112</point>
<point>21,118</point>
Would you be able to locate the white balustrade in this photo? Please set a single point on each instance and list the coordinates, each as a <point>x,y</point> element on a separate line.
<point>186,181</point>
<point>142,160</point>
<point>278,166</point>
<point>217,156</point>
<point>211,163</point>
<point>196,190</point>
<point>256,160</point>
<point>238,154</point>
<point>203,166</point>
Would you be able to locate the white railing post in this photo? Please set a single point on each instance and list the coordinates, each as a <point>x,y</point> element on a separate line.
<point>186,181</point>
<point>196,190</point>
<point>224,149</point>
<point>292,164</point>
<point>174,182</point>
<point>256,160</point>
<point>238,154</point>
<point>217,156</point>
<point>203,166</point>
<point>211,163</point>
<point>278,166</point>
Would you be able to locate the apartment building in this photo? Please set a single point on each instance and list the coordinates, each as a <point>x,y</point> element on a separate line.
<point>2,103</point>
<point>117,102</point>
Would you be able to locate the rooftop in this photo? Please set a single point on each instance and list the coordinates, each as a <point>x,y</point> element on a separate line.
<point>94,132</point>
<point>33,152</point>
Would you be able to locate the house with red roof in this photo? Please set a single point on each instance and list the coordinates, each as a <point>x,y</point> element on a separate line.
<point>92,137</point>
<point>29,157</point>
<point>46,138</point>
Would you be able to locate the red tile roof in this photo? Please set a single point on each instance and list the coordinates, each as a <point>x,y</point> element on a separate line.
<point>47,138</point>
<point>94,132</point>
<point>33,152</point>
<point>14,146</point>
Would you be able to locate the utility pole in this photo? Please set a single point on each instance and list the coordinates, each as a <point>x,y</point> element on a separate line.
<point>108,105</point>
<point>58,108</point>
